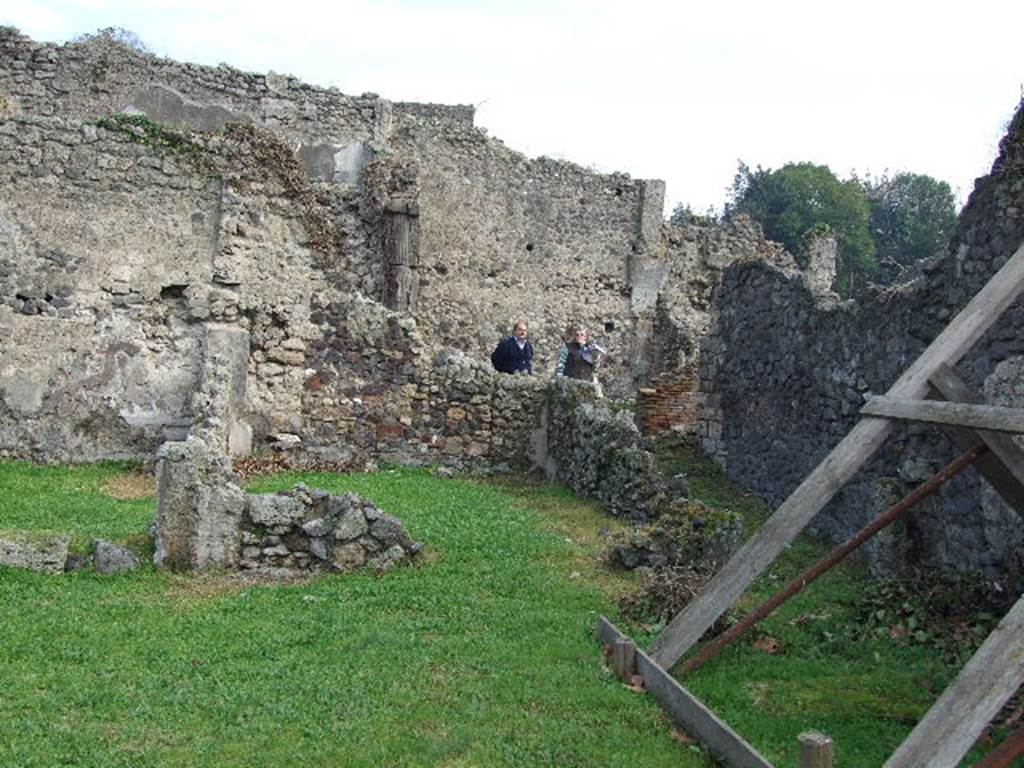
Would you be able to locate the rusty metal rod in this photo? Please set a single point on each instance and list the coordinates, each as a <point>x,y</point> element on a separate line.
<point>897,510</point>
<point>1012,747</point>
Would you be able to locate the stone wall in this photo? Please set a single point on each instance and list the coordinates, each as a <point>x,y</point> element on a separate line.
<point>670,402</point>
<point>786,372</point>
<point>367,255</point>
<point>597,451</point>
<point>99,238</point>
<point>306,529</point>
<point>496,226</point>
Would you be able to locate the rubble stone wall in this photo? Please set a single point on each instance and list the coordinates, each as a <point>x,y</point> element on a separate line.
<point>503,237</point>
<point>598,451</point>
<point>307,529</point>
<point>786,373</point>
<point>121,242</point>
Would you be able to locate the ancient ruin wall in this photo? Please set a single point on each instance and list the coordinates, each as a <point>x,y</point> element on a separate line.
<point>372,252</point>
<point>786,373</point>
<point>506,237</point>
<point>96,356</point>
<point>502,236</point>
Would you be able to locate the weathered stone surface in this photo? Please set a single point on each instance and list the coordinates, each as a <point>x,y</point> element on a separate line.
<point>599,453</point>
<point>789,372</point>
<point>351,533</point>
<point>319,549</point>
<point>276,509</point>
<point>350,525</point>
<point>389,531</point>
<point>317,527</point>
<point>388,559</point>
<point>113,558</point>
<point>348,557</point>
<point>159,298</point>
<point>44,552</point>
<point>199,508</point>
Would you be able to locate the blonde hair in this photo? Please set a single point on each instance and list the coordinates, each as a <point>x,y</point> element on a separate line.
<point>573,329</point>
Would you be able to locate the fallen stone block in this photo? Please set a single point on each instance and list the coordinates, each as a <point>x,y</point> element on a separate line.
<point>34,551</point>
<point>113,558</point>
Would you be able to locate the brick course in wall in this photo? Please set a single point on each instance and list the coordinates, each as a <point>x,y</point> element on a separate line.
<point>670,403</point>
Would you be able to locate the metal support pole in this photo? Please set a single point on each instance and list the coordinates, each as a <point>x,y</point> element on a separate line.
<point>900,508</point>
<point>1011,748</point>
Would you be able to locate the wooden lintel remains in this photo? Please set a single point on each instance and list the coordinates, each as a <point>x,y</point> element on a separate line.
<point>838,467</point>
<point>686,710</point>
<point>1003,465</point>
<point>984,685</point>
<point>988,417</point>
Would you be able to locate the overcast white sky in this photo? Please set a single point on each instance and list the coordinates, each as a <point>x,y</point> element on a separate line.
<point>668,90</point>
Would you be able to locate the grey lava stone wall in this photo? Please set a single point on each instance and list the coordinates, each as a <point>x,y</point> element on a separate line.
<point>786,374</point>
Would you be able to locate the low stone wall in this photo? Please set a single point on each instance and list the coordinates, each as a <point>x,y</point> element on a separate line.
<point>599,452</point>
<point>206,521</point>
<point>308,529</point>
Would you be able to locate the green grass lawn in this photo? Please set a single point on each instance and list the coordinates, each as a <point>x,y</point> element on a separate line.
<point>481,655</point>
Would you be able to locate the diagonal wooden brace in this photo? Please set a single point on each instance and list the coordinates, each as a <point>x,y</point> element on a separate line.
<point>838,467</point>
<point>961,713</point>
<point>1003,465</point>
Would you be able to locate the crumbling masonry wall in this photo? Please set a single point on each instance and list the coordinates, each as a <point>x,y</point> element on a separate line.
<point>324,209</point>
<point>352,239</point>
<point>786,373</point>
<point>495,227</point>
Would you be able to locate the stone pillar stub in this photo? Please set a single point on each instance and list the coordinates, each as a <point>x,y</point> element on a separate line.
<point>818,259</point>
<point>199,508</point>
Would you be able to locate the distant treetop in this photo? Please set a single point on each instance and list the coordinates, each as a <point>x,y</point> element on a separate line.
<point>118,35</point>
<point>883,226</point>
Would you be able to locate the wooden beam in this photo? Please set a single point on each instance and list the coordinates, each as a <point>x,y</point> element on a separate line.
<point>990,417</point>
<point>686,710</point>
<point>985,684</point>
<point>838,467</point>
<point>1003,465</point>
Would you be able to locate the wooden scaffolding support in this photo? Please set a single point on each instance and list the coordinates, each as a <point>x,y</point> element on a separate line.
<point>956,720</point>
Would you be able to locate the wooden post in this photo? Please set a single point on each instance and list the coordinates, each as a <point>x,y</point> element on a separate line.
<point>686,710</point>
<point>838,467</point>
<point>401,254</point>
<point>624,659</point>
<point>815,750</point>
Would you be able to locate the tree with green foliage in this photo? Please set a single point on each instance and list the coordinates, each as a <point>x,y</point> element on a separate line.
<point>801,199</point>
<point>683,215</point>
<point>912,218</point>
<point>118,35</point>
